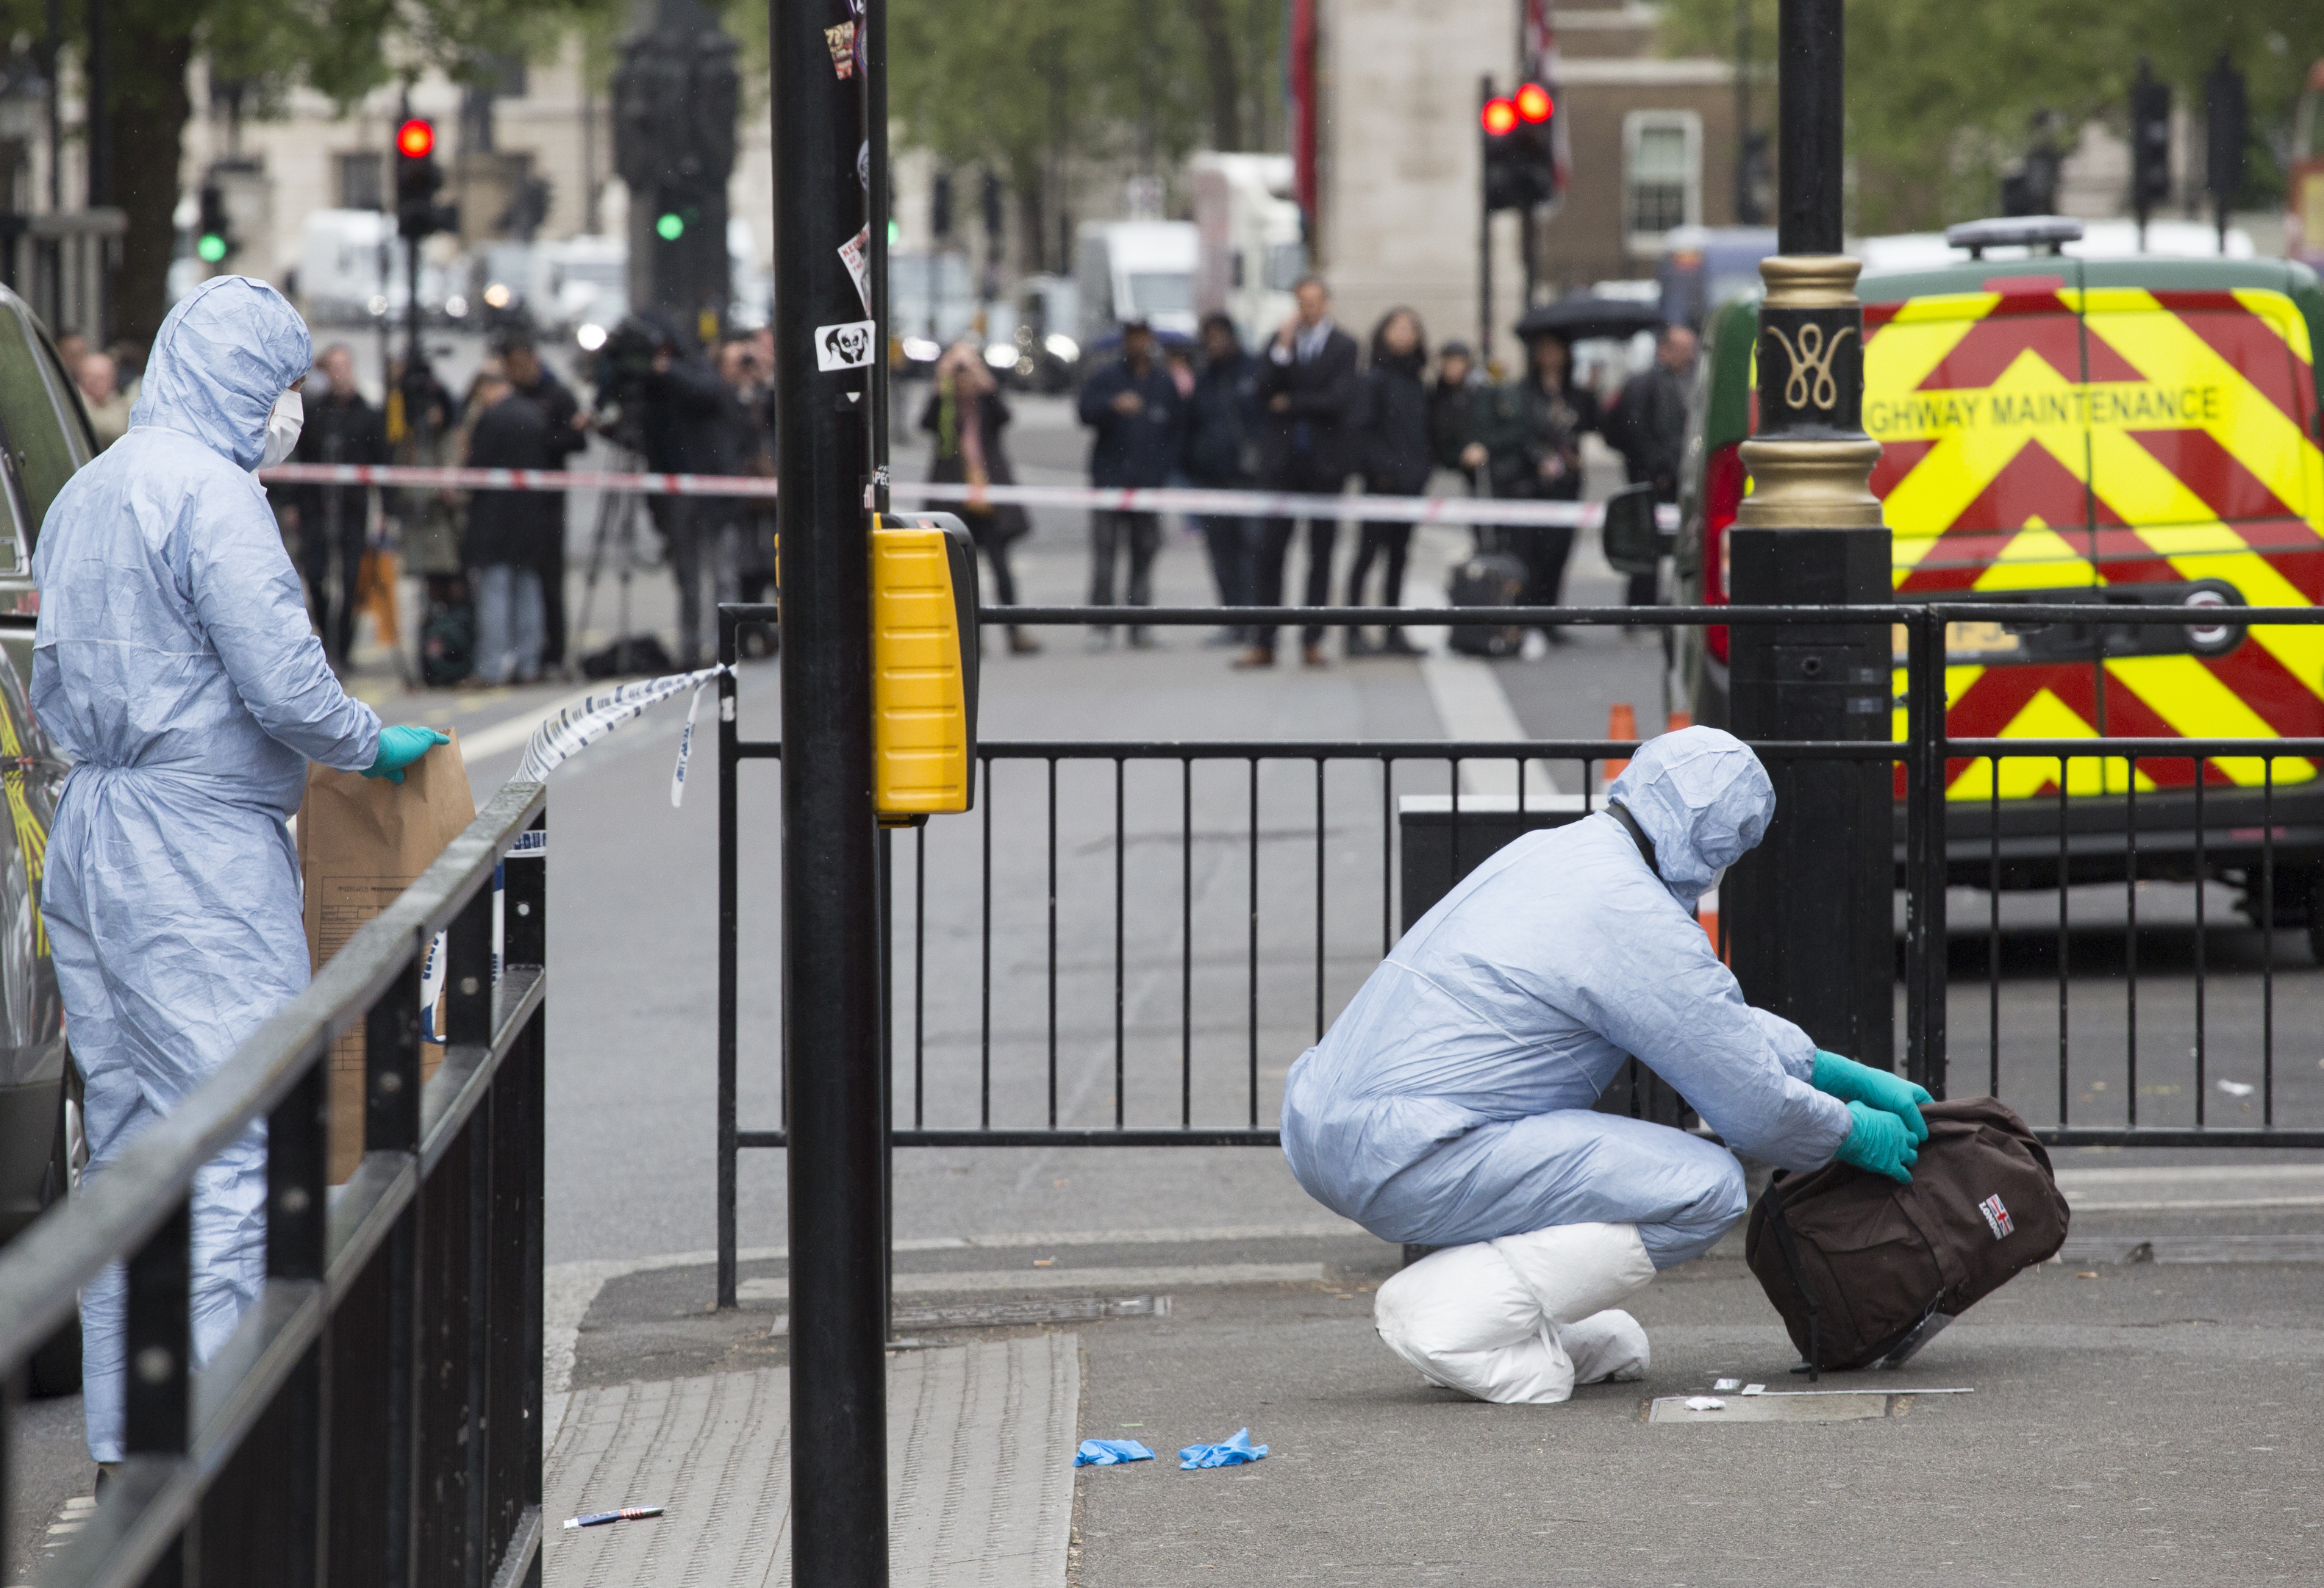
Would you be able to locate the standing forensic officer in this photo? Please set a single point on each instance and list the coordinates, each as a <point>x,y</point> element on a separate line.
<point>174,660</point>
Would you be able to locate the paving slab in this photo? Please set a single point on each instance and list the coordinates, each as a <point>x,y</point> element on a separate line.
<point>980,1475</point>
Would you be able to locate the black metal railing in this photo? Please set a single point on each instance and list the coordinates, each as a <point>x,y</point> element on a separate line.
<point>376,1417</point>
<point>1102,953</point>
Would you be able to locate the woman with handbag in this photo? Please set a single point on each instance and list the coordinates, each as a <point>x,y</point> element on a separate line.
<point>966,415</point>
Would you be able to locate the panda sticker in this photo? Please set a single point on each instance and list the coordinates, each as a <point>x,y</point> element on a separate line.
<point>844,346</point>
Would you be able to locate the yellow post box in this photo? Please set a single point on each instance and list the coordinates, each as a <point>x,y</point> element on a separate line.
<point>924,656</point>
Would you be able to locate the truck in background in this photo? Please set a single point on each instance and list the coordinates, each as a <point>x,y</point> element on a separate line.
<point>1253,248</point>
<point>1137,269</point>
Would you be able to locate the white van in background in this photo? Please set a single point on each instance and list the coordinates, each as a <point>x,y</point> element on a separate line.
<point>1253,249</point>
<point>1132,269</point>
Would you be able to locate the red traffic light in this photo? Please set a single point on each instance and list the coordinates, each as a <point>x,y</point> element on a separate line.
<point>415,139</point>
<point>1533,103</point>
<point>1499,116</point>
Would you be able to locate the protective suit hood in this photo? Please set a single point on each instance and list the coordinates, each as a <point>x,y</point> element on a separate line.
<point>229,348</point>
<point>1702,799</point>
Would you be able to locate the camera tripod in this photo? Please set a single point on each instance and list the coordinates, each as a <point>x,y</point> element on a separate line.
<point>615,536</point>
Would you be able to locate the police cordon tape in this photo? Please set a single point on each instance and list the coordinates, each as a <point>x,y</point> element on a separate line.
<point>1426,510</point>
<point>566,733</point>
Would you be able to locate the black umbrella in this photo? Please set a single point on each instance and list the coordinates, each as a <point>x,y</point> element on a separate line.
<point>1581,316</point>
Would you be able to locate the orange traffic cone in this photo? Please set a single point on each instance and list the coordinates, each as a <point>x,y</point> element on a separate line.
<point>1621,723</point>
<point>1679,719</point>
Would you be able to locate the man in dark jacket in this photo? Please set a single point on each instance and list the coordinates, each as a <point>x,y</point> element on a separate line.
<point>334,521</point>
<point>1307,392</point>
<point>1139,417</point>
<point>689,430</point>
<point>568,433</point>
<point>1647,425</point>
<point>1223,426</point>
<point>506,529</point>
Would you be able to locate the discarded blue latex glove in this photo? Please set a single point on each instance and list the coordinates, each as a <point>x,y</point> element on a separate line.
<point>1851,1082</point>
<point>398,747</point>
<point>1878,1141</point>
<point>1232,1453</point>
<point>1110,1453</point>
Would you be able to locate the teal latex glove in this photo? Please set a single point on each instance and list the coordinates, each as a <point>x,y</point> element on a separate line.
<point>1851,1082</point>
<point>398,747</point>
<point>1878,1141</point>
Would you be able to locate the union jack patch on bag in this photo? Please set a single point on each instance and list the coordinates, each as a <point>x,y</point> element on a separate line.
<point>1997,1216</point>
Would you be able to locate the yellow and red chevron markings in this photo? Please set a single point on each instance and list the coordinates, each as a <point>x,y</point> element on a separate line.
<point>2042,437</point>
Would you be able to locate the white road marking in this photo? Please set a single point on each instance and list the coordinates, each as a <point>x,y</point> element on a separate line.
<point>1471,704</point>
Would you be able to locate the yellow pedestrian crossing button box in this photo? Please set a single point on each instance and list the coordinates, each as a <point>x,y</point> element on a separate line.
<point>924,655</point>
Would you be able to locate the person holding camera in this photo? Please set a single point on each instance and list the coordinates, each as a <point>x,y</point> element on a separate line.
<point>687,429</point>
<point>568,433</point>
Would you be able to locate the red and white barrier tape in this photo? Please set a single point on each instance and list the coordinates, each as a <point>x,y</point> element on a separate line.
<point>1430,510</point>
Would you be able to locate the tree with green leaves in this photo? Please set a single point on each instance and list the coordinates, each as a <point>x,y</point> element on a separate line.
<point>342,48</point>
<point>1942,97</point>
<point>1033,87</point>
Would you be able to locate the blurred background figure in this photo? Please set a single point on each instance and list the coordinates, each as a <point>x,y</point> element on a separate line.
<point>505,529</point>
<point>689,430</point>
<point>334,522</point>
<point>1138,415</point>
<point>1396,454</point>
<point>1451,412</point>
<point>966,414</point>
<point>568,433</point>
<point>748,366</point>
<point>102,398</point>
<point>1307,394</point>
<point>1647,426</point>
<point>1221,455</point>
<point>1529,432</point>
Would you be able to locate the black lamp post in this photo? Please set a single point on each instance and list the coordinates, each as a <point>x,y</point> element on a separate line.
<point>1810,908</point>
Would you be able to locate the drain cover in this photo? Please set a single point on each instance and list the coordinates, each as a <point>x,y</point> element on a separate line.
<point>1843,1407</point>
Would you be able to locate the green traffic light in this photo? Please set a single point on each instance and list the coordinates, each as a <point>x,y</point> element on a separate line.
<point>670,227</point>
<point>894,232</point>
<point>212,247</point>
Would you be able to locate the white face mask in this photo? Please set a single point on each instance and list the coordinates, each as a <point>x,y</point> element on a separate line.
<point>282,428</point>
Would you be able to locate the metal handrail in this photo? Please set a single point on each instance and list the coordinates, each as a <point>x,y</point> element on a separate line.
<point>138,1198</point>
<point>42,1270</point>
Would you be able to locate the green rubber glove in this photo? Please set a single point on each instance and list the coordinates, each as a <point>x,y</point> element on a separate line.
<point>1878,1141</point>
<point>398,747</point>
<point>1851,1082</point>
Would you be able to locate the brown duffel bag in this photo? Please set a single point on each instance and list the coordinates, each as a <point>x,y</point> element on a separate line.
<point>1866,1270</point>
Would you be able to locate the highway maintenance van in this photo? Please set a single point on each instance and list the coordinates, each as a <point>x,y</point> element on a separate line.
<point>2054,429</point>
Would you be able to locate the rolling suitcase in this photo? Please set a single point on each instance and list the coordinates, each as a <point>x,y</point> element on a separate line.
<point>1489,579</point>
<point>1866,1270</point>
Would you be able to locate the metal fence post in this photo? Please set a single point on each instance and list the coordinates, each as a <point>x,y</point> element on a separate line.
<point>826,347</point>
<point>729,890</point>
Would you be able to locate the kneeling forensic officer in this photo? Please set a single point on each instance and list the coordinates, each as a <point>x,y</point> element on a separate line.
<point>1449,1105</point>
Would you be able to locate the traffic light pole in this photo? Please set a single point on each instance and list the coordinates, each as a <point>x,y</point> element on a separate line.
<point>1484,242</point>
<point>1812,931</point>
<point>825,354</point>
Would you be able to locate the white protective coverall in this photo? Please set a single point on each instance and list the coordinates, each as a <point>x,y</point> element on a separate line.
<point>174,660</point>
<point>1450,1104</point>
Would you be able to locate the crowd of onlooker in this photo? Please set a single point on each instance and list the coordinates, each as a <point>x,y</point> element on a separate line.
<point>1302,414</point>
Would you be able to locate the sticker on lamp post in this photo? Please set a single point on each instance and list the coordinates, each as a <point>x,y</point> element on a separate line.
<point>844,346</point>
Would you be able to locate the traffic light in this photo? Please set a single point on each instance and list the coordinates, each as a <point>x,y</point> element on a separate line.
<point>2150,142</point>
<point>1520,170</point>
<point>214,240</point>
<point>417,179</point>
<point>940,205</point>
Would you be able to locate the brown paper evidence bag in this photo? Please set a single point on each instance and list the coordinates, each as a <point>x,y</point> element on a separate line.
<point>363,841</point>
